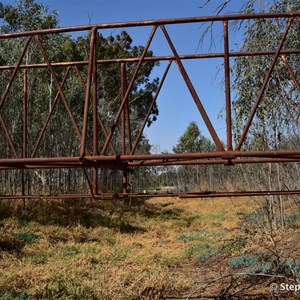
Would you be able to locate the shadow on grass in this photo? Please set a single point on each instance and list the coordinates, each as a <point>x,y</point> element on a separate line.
<point>115,214</point>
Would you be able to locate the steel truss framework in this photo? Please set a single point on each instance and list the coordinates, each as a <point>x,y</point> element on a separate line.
<point>105,155</point>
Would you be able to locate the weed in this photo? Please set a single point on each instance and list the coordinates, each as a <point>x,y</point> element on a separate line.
<point>170,214</point>
<point>254,263</point>
<point>14,294</point>
<point>205,256</point>
<point>237,244</point>
<point>70,251</point>
<point>200,235</point>
<point>118,255</point>
<point>293,220</point>
<point>187,238</point>
<point>292,266</point>
<point>26,237</point>
<point>253,217</point>
<point>36,259</point>
<point>65,288</point>
<point>197,249</point>
<point>206,232</point>
<point>245,260</point>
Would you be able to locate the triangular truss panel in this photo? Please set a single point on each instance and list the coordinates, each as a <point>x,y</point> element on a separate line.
<point>90,110</point>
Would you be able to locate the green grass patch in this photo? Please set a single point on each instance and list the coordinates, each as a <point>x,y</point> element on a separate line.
<point>70,251</point>
<point>196,249</point>
<point>14,294</point>
<point>170,214</point>
<point>109,249</point>
<point>293,220</point>
<point>26,237</point>
<point>38,259</point>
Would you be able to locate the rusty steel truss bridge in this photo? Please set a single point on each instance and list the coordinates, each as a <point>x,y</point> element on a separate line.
<point>103,154</point>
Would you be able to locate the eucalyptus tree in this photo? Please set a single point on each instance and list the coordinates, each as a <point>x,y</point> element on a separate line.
<point>277,116</point>
<point>191,177</point>
<point>60,137</point>
<point>275,124</point>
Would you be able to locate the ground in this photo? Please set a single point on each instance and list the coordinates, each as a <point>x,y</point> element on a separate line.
<point>163,248</point>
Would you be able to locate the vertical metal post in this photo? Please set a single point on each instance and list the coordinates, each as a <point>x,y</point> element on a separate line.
<point>87,93</point>
<point>25,113</point>
<point>123,93</point>
<point>95,111</point>
<point>227,87</point>
<point>123,123</point>
<point>24,129</point>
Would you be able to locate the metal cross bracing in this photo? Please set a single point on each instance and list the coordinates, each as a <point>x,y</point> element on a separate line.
<point>103,153</point>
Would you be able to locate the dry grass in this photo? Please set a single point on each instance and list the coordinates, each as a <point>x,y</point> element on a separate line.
<point>110,250</point>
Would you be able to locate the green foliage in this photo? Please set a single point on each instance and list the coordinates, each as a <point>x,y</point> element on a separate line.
<point>187,238</point>
<point>170,214</point>
<point>262,263</point>
<point>245,260</point>
<point>293,218</point>
<point>119,254</point>
<point>28,15</point>
<point>37,259</point>
<point>278,112</point>
<point>238,243</point>
<point>195,249</point>
<point>193,141</point>
<point>292,266</point>
<point>70,251</point>
<point>14,294</point>
<point>65,288</point>
<point>257,263</point>
<point>27,237</point>
<point>200,235</point>
<point>25,16</point>
<point>186,177</point>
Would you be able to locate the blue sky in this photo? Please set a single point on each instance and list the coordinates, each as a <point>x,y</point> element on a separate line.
<point>176,106</point>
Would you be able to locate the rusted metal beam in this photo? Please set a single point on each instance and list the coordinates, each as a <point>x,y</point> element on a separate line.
<point>87,93</point>
<point>15,69</point>
<point>155,58</point>
<point>285,155</point>
<point>25,114</point>
<point>111,196</point>
<point>8,137</point>
<point>294,78</point>
<point>98,116</point>
<point>227,86</point>
<point>153,23</point>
